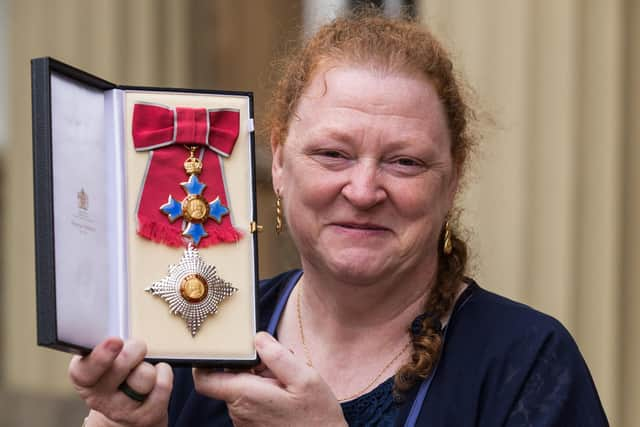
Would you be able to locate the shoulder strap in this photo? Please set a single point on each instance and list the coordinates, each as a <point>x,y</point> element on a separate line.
<point>416,406</point>
<point>282,301</point>
<point>418,402</point>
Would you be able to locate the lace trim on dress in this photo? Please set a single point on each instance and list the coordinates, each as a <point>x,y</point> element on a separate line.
<point>376,408</point>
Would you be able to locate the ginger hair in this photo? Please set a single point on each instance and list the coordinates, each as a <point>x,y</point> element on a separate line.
<point>366,37</point>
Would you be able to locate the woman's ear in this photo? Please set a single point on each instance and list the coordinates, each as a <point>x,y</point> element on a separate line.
<point>276,162</point>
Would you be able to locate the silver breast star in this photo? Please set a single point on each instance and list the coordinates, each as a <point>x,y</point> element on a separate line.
<point>192,289</point>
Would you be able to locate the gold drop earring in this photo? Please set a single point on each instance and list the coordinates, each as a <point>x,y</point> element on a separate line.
<point>278,213</point>
<point>447,247</point>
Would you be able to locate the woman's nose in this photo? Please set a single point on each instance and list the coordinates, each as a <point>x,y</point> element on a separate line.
<point>363,190</point>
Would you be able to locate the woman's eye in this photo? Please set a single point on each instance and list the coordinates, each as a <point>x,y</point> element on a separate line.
<point>406,165</point>
<point>332,154</point>
<point>330,158</point>
<point>406,161</point>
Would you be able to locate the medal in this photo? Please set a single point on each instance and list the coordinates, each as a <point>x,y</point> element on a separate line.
<point>192,289</point>
<point>194,208</point>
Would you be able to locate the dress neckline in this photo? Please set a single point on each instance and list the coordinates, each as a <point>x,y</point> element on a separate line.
<point>295,276</point>
<point>379,403</point>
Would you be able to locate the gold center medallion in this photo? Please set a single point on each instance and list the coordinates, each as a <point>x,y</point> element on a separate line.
<point>193,288</point>
<point>195,208</point>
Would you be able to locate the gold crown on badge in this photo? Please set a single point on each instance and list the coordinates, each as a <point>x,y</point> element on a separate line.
<point>193,165</point>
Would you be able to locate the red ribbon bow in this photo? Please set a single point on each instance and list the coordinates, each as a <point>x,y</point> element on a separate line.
<point>166,131</point>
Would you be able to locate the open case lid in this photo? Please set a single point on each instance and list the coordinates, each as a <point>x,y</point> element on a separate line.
<point>89,259</point>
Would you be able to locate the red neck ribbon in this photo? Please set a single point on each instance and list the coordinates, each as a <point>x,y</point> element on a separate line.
<point>164,132</point>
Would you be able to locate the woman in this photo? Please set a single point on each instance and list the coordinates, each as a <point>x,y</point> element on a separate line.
<point>370,141</point>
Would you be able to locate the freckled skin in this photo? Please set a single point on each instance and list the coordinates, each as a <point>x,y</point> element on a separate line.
<point>366,174</point>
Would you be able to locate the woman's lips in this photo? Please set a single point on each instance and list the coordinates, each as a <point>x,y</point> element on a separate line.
<point>360,228</point>
<point>364,226</point>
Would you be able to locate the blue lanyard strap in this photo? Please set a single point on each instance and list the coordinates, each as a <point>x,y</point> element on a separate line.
<point>282,301</point>
<point>416,406</point>
<point>421,396</point>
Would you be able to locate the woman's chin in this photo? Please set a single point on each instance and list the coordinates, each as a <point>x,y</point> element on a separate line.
<point>360,269</point>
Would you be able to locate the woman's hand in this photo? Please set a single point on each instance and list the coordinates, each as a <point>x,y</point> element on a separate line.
<point>288,393</point>
<point>97,377</point>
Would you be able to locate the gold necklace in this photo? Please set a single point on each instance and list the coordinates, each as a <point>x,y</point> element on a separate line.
<point>307,355</point>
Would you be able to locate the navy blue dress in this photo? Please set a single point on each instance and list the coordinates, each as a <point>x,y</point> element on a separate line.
<point>503,364</point>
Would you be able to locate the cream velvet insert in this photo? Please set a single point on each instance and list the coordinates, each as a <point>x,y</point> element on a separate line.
<point>229,333</point>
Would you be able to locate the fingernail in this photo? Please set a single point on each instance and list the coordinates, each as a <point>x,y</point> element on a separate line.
<point>263,339</point>
<point>114,346</point>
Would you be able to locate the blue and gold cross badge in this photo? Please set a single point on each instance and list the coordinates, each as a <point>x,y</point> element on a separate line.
<point>195,209</point>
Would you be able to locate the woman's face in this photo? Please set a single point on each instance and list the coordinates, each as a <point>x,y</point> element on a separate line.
<point>366,174</point>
